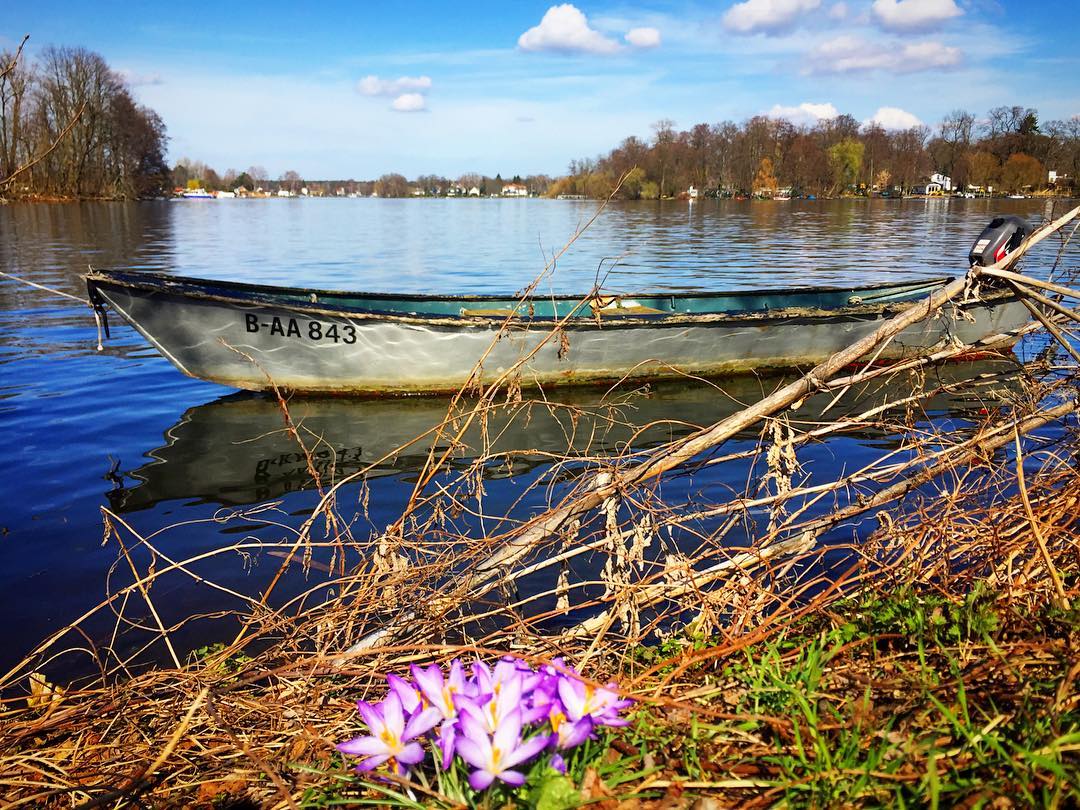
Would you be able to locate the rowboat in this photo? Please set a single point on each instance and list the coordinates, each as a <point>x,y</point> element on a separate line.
<point>257,337</point>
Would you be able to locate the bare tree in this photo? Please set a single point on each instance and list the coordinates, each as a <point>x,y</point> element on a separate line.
<point>291,181</point>
<point>663,141</point>
<point>392,185</point>
<point>15,82</point>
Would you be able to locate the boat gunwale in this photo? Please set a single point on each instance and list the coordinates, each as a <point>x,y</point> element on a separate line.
<point>137,278</point>
<point>175,286</point>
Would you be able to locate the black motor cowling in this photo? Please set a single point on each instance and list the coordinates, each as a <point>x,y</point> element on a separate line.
<point>1000,238</point>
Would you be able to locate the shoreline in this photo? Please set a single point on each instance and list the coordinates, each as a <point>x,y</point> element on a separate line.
<point>62,200</point>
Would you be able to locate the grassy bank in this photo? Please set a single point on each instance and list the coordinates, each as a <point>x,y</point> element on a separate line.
<point>927,695</point>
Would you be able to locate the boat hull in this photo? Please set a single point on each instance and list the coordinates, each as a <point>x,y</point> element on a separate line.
<point>257,345</point>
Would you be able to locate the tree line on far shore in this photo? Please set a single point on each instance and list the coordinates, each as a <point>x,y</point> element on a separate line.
<point>188,173</point>
<point>70,127</point>
<point>1008,150</point>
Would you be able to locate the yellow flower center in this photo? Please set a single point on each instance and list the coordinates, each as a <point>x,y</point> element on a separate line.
<point>557,719</point>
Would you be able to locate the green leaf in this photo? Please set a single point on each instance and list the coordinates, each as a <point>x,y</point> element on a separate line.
<point>555,792</point>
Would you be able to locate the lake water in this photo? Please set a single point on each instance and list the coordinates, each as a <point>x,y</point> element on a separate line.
<point>120,428</point>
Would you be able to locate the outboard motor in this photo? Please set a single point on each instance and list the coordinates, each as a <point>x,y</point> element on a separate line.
<point>1000,238</point>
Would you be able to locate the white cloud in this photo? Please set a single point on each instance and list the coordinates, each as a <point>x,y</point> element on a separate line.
<point>564,28</point>
<point>838,11</point>
<point>893,118</point>
<point>805,113</point>
<point>913,15</point>
<point>135,79</point>
<point>643,37</point>
<point>766,16</point>
<point>374,86</point>
<point>847,54</point>
<point>409,102</point>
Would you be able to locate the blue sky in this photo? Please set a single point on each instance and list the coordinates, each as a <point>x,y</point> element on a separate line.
<point>339,90</point>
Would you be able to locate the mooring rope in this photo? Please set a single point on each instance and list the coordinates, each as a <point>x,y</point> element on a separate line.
<point>85,301</point>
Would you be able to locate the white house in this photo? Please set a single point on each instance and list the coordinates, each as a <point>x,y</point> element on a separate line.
<point>515,190</point>
<point>474,191</point>
<point>942,180</point>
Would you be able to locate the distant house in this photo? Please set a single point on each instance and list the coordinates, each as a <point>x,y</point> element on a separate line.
<point>515,190</point>
<point>474,191</point>
<point>932,188</point>
<point>942,180</point>
<point>284,192</point>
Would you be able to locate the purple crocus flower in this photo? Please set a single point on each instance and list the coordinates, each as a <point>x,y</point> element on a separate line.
<point>495,756</point>
<point>600,704</point>
<point>391,739</point>
<point>409,695</point>
<point>557,763</point>
<point>491,711</point>
<point>438,691</point>
<point>569,733</point>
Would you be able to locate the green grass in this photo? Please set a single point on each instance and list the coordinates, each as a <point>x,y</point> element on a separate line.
<point>900,700</point>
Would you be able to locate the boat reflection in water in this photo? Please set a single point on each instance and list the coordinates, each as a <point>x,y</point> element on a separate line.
<point>235,450</point>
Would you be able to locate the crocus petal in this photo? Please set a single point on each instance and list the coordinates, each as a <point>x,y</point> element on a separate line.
<point>363,747</point>
<point>456,678</point>
<point>572,697</point>
<point>613,721</point>
<point>571,735</point>
<point>481,780</point>
<point>513,778</point>
<point>410,697</point>
<point>411,754</point>
<point>372,716</point>
<point>371,763</point>
<point>557,763</point>
<point>476,716</point>
<point>510,694</point>
<point>532,716</point>
<point>482,676</point>
<point>430,683</point>
<point>474,728</point>
<point>394,716</point>
<point>422,723</point>
<point>508,733</point>
<point>526,751</point>
<point>473,753</point>
<point>447,742</point>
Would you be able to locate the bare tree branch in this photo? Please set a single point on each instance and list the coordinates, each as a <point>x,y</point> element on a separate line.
<point>70,125</point>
